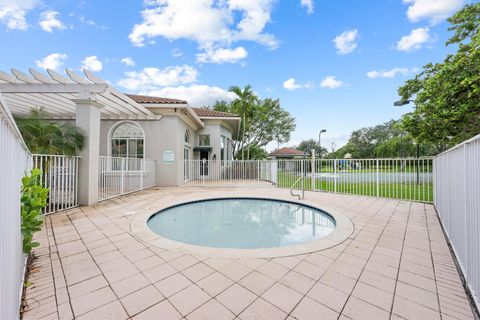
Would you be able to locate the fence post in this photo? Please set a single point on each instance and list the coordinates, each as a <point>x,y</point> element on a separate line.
<point>378,176</point>
<point>335,175</point>
<point>122,176</point>
<point>142,165</point>
<point>258,170</point>
<point>313,170</point>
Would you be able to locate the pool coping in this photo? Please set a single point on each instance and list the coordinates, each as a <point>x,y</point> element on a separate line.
<point>344,228</point>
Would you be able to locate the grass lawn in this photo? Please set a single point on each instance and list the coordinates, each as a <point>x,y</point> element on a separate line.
<point>407,191</point>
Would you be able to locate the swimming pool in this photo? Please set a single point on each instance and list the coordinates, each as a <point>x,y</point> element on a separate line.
<point>242,223</point>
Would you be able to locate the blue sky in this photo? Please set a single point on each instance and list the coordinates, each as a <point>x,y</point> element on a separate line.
<point>334,64</point>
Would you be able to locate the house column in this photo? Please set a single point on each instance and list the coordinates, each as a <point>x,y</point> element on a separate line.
<point>87,118</point>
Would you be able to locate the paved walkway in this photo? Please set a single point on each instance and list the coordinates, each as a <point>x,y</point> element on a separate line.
<point>396,265</point>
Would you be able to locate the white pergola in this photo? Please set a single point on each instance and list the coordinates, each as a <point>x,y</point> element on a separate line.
<point>87,100</point>
<point>57,94</point>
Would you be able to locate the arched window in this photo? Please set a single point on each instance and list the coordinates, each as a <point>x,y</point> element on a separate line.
<point>187,136</point>
<point>127,141</point>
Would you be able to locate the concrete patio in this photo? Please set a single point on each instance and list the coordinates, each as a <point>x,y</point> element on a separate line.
<point>395,265</point>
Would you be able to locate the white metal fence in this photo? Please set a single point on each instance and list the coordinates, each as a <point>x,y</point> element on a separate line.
<point>60,176</point>
<point>457,199</point>
<point>407,178</point>
<point>118,176</point>
<point>14,162</point>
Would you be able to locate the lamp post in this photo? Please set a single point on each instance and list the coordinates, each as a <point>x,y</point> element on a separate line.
<point>320,141</point>
<point>401,103</point>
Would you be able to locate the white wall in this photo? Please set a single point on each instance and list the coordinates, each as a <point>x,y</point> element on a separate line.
<point>14,162</point>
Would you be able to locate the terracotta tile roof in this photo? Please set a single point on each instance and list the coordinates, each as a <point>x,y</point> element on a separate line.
<point>148,99</point>
<point>287,152</point>
<point>203,112</point>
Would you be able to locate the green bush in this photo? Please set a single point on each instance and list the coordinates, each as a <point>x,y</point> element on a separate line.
<point>34,199</point>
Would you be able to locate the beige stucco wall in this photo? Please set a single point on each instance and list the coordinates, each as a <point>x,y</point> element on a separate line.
<point>168,133</point>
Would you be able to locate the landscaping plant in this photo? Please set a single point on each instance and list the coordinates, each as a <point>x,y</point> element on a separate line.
<point>34,199</point>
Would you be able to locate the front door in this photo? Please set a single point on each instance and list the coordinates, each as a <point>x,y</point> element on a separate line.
<point>204,163</point>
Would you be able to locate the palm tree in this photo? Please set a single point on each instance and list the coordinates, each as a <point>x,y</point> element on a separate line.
<point>243,104</point>
<point>43,136</point>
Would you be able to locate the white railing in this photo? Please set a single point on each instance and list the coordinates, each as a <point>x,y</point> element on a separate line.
<point>227,171</point>
<point>408,178</point>
<point>60,176</point>
<point>15,161</point>
<point>457,200</point>
<point>119,176</point>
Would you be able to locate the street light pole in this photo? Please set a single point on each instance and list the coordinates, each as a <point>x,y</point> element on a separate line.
<point>402,103</point>
<point>320,141</point>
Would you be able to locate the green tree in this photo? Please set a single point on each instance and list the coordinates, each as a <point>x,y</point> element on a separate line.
<point>243,105</point>
<point>308,145</point>
<point>43,136</point>
<point>265,121</point>
<point>447,94</point>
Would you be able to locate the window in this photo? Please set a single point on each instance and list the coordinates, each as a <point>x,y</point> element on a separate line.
<point>204,140</point>
<point>222,146</point>
<point>127,141</point>
<point>187,136</point>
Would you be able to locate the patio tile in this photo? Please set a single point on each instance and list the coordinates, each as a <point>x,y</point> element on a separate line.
<point>256,282</point>
<point>282,297</point>
<point>189,299</point>
<point>417,295</point>
<point>236,298</point>
<point>309,309</point>
<point>87,286</point>
<point>92,301</point>
<point>215,283</point>
<point>378,281</point>
<point>417,281</point>
<point>160,272</point>
<point>172,284</point>
<point>338,281</point>
<point>111,311</point>
<point>262,310</point>
<point>148,263</point>
<point>125,271</point>
<point>183,262</point>
<point>140,300</point>
<point>211,310</point>
<point>273,270</point>
<point>328,296</point>
<point>310,270</point>
<point>128,285</point>
<point>197,272</point>
<point>160,311</point>
<point>373,295</point>
<point>71,248</point>
<point>82,275</point>
<point>358,310</point>
<point>297,282</point>
<point>410,310</point>
<point>235,270</point>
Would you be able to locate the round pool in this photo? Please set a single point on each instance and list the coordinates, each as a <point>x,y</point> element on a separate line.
<point>242,223</point>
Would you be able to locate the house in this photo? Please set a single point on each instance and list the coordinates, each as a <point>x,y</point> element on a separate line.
<point>133,141</point>
<point>180,133</point>
<point>286,153</point>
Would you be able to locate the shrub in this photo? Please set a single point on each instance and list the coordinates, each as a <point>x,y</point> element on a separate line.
<point>34,199</point>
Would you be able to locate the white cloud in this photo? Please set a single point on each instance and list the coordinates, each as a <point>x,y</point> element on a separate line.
<point>48,21</point>
<point>291,84</point>
<point>53,61</point>
<point>208,22</point>
<point>177,53</point>
<point>152,78</point>
<point>388,73</point>
<point>222,55</point>
<point>331,82</point>
<point>346,42</point>
<point>415,40</point>
<point>128,61</point>
<point>433,10</point>
<point>308,4</point>
<point>90,22</point>
<point>13,12</point>
<point>196,95</point>
<point>92,63</point>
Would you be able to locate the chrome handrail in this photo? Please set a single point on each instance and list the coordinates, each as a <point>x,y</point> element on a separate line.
<point>303,189</point>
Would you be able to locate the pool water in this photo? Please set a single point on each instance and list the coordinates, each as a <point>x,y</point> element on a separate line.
<point>242,223</point>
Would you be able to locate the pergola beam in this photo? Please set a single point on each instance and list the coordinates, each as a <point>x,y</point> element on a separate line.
<point>52,88</point>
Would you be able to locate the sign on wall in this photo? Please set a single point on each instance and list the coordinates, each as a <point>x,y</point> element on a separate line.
<point>168,156</point>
